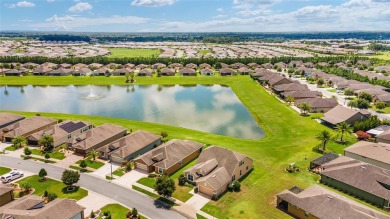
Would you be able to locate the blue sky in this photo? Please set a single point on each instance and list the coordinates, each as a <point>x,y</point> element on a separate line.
<point>195,15</point>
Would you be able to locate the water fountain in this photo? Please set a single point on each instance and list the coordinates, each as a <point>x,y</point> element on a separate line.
<point>92,95</point>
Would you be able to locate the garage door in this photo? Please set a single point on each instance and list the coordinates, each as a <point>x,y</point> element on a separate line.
<point>141,166</point>
<point>206,191</point>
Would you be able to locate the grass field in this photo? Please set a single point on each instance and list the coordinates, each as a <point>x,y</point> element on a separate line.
<point>381,55</point>
<point>290,138</point>
<point>123,52</point>
<point>116,210</point>
<point>204,51</point>
<point>4,170</point>
<point>54,154</point>
<point>92,164</point>
<point>52,186</point>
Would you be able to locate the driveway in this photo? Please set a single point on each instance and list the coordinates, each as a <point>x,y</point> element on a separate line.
<point>128,197</point>
<point>70,159</point>
<point>94,201</point>
<point>197,201</point>
<point>105,170</point>
<point>130,178</point>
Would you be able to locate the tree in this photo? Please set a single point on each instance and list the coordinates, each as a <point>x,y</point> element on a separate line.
<point>182,180</point>
<point>236,186</point>
<point>320,82</point>
<point>47,157</point>
<point>289,99</point>
<point>305,107</point>
<point>19,141</point>
<point>362,103</point>
<point>164,185</point>
<point>93,154</point>
<point>380,105</point>
<point>348,92</point>
<point>127,76</point>
<point>352,104</point>
<point>27,152</point>
<point>132,77</point>
<point>26,187</point>
<point>366,96</point>
<point>46,141</point>
<point>344,128</point>
<point>83,164</point>
<point>324,136</point>
<point>42,173</point>
<point>51,196</point>
<point>70,177</point>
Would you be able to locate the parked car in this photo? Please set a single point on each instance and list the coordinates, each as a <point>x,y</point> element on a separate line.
<point>6,178</point>
<point>340,92</point>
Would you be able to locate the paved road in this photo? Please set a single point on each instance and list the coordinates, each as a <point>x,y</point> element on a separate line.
<point>116,192</point>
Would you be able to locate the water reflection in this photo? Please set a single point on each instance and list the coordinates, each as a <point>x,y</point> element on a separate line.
<point>214,109</point>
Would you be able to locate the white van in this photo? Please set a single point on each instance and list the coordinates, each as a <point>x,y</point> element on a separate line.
<point>6,178</point>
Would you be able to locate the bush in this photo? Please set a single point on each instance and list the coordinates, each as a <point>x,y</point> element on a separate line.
<point>45,194</point>
<point>92,215</point>
<point>196,189</point>
<point>164,134</point>
<point>230,187</point>
<point>361,135</point>
<point>152,175</point>
<point>236,186</point>
<point>134,212</point>
<point>51,196</point>
<point>26,187</point>
<point>182,180</point>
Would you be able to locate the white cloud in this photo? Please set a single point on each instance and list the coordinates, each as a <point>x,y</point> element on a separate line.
<point>69,22</point>
<point>219,16</point>
<point>81,6</point>
<point>152,3</point>
<point>220,9</point>
<point>50,1</point>
<point>22,4</point>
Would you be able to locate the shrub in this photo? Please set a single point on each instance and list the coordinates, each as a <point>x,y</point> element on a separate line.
<point>92,215</point>
<point>361,135</point>
<point>134,212</point>
<point>51,196</point>
<point>366,96</point>
<point>196,189</point>
<point>83,164</point>
<point>236,186</point>
<point>45,194</point>
<point>27,151</point>
<point>182,180</point>
<point>152,175</point>
<point>164,134</point>
<point>26,187</point>
<point>380,105</point>
<point>230,187</point>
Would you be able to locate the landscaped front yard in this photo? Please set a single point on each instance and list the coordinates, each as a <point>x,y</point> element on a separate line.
<point>52,186</point>
<point>92,164</point>
<point>56,154</point>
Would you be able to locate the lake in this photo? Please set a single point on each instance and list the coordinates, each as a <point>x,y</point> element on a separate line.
<point>215,109</point>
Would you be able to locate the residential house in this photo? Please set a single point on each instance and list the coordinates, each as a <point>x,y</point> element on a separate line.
<point>362,180</point>
<point>318,105</point>
<point>378,130</point>
<point>158,65</point>
<point>122,71</point>
<point>59,72</point>
<point>41,70</point>
<point>277,79</point>
<point>261,72</point>
<point>82,72</point>
<point>130,146</point>
<point>176,65</point>
<point>25,127</point>
<point>305,94</point>
<point>204,65</point>
<point>377,154</point>
<point>207,72</point>
<point>191,65</point>
<point>6,194</point>
<point>383,98</point>
<point>317,202</point>
<point>96,138</point>
<point>317,164</point>
<point>13,72</point>
<point>342,114</point>
<point>216,168</point>
<point>169,157</point>
<point>61,132</point>
<point>145,72</point>
<point>168,72</point>
<point>7,119</point>
<point>34,207</point>
<point>187,72</point>
<point>290,87</point>
<point>244,71</point>
<point>384,137</point>
<point>227,72</point>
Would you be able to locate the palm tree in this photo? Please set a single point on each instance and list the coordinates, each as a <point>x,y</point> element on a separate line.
<point>324,136</point>
<point>305,107</point>
<point>46,141</point>
<point>19,141</point>
<point>344,128</point>
<point>289,99</point>
<point>93,153</point>
<point>352,104</point>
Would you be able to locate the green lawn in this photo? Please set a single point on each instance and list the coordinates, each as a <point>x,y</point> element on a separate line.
<point>124,52</point>
<point>79,168</point>
<point>11,148</point>
<point>119,172</point>
<point>4,170</point>
<point>54,154</point>
<point>198,216</point>
<point>385,110</point>
<point>332,90</point>
<point>290,138</point>
<point>92,164</point>
<point>381,55</point>
<point>116,210</point>
<point>38,158</point>
<point>204,51</point>
<point>52,186</point>
<point>147,181</point>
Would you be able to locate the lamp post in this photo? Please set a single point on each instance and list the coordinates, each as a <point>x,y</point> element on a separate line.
<point>109,158</point>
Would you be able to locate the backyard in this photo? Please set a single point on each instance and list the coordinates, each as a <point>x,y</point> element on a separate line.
<point>290,138</point>
<point>123,52</point>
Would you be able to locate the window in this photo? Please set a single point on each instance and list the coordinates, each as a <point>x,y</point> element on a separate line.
<point>240,172</point>
<point>246,167</point>
<point>190,177</point>
<point>160,170</point>
<point>233,177</point>
<point>69,136</point>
